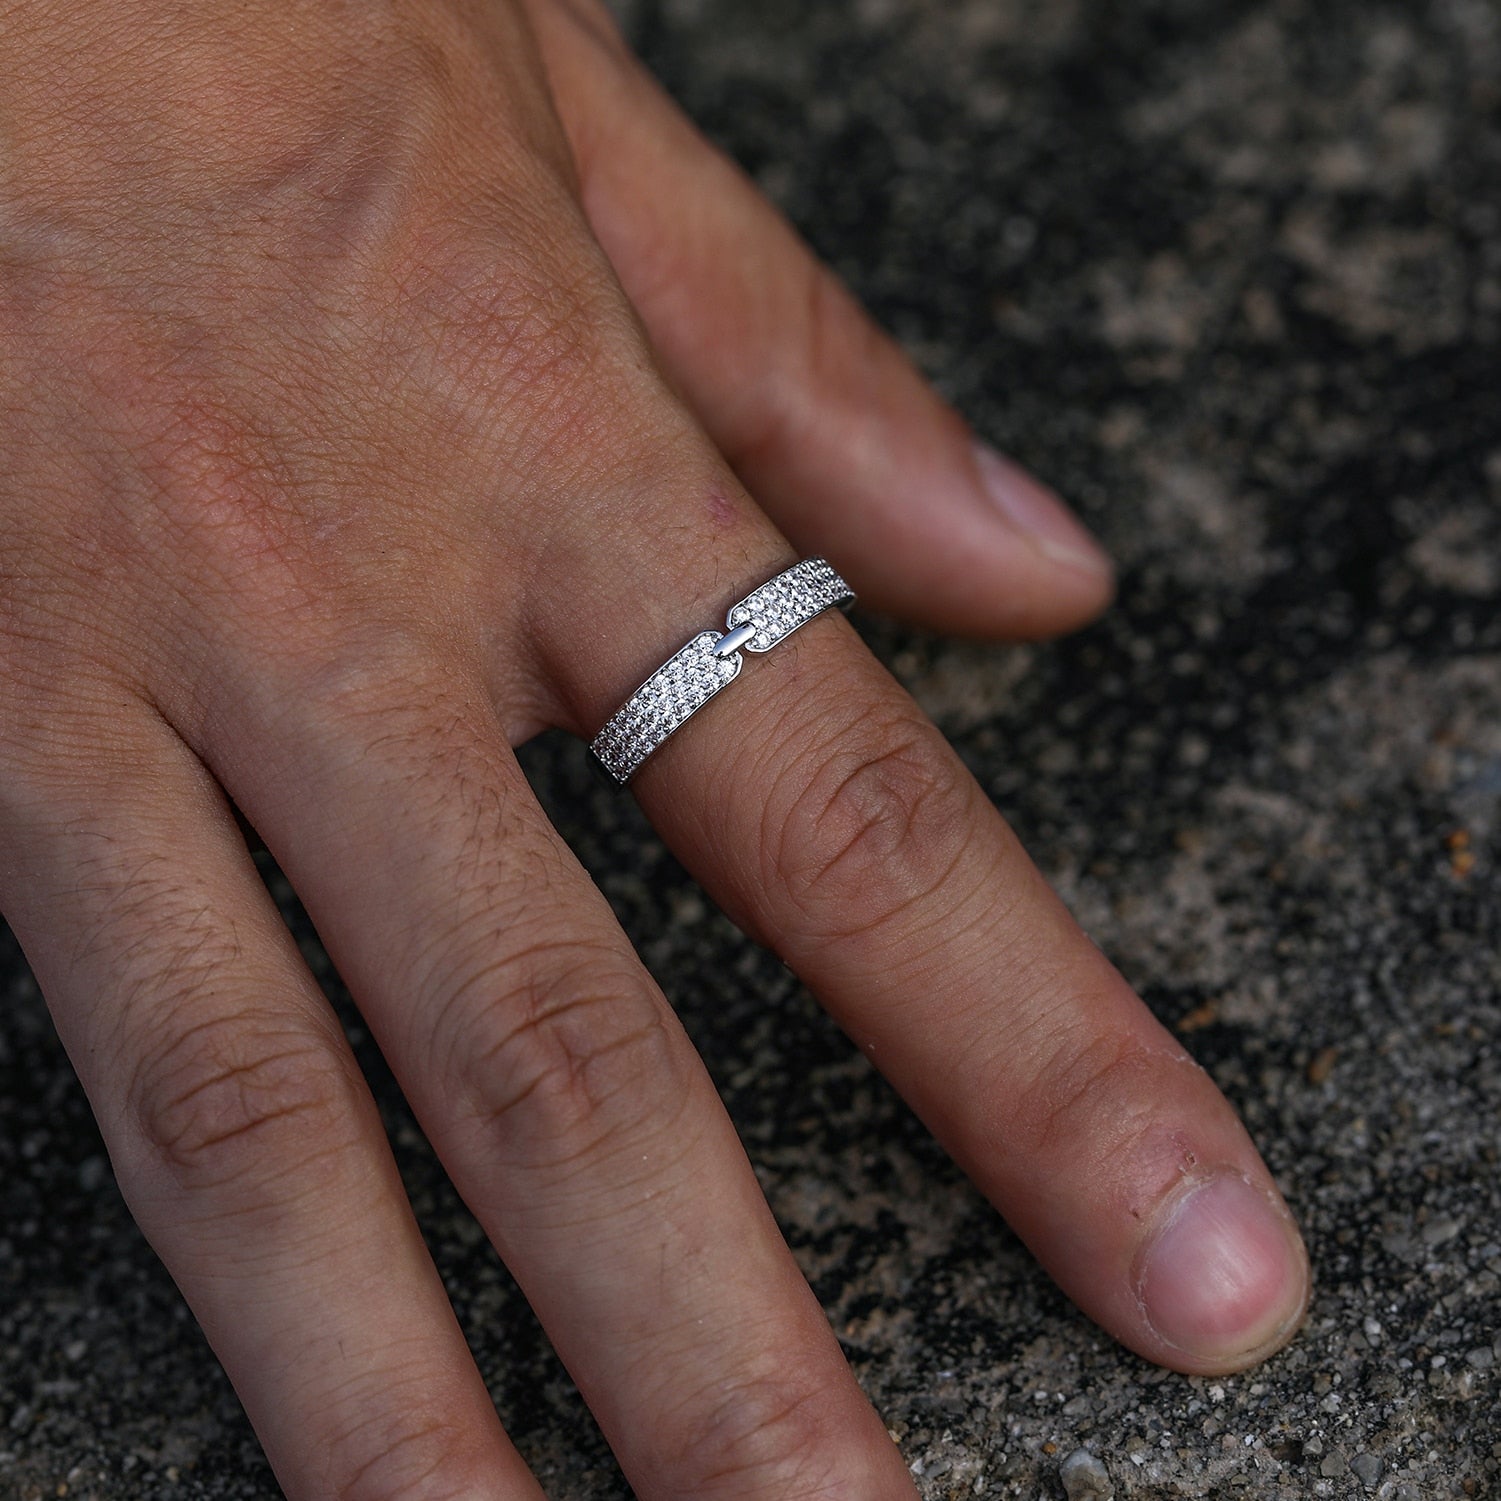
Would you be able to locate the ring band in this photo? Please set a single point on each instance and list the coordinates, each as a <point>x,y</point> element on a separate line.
<point>689,678</point>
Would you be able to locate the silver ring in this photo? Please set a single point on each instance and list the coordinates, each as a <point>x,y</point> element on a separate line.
<point>689,678</point>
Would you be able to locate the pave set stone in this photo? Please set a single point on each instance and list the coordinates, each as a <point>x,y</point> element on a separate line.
<point>688,679</point>
<point>681,686</point>
<point>789,600</point>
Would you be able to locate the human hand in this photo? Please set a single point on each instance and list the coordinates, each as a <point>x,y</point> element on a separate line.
<point>336,465</point>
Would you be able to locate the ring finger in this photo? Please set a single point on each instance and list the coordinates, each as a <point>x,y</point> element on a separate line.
<point>824,811</point>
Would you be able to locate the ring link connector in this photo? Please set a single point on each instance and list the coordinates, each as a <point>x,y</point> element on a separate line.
<point>689,678</point>
<point>731,642</point>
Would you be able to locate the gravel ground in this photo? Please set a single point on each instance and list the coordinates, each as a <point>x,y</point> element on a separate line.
<point>1229,275</point>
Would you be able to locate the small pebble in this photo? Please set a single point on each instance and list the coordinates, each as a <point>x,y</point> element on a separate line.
<point>1367,1470</point>
<point>1085,1478</point>
<point>1333,1464</point>
<point>1440,1231</point>
<point>93,1174</point>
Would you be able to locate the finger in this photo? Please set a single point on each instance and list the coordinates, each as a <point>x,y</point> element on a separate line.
<point>828,815</point>
<point>245,1141</point>
<point>556,1084</point>
<point>840,439</point>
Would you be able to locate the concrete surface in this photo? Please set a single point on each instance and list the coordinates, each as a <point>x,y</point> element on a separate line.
<point>1230,275</point>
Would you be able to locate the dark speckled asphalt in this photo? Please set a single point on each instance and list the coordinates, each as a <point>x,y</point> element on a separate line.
<point>1230,276</point>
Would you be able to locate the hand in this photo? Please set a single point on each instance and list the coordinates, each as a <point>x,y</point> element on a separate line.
<point>336,465</point>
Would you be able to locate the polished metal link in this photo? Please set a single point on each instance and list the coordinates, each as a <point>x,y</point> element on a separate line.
<point>733,640</point>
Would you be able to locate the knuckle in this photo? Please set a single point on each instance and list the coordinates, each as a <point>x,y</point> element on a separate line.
<point>562,1049</point>
<point>827,350</point>
<point>879,822</point>
<point>520,324</point>
<point>843,345</point>
<point>412,1449</point>
<point>757,1431</point>
<point>382,684</point>
<point>1086,1088</point>
<point>229,1102</point>
<point>228,512</point>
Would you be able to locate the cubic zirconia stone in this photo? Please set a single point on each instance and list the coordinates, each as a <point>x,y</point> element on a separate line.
<point>693,675</point>
<point>789,601</point>
<point>681,686</point>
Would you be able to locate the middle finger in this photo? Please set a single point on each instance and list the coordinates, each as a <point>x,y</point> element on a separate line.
<point>557,1086</point>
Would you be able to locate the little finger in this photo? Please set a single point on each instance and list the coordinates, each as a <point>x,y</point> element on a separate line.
<point>244,1138</point>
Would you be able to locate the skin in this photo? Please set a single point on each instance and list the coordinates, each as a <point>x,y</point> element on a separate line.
<point>380,385</point>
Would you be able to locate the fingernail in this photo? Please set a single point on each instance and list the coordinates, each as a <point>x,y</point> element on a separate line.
<point>1038,514</point>
<point>1226,1279</point>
